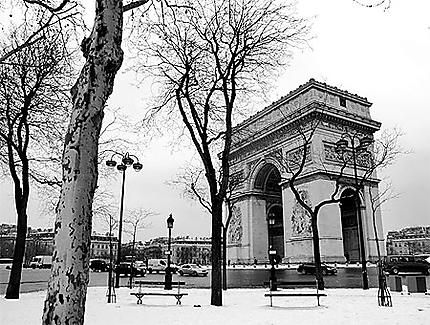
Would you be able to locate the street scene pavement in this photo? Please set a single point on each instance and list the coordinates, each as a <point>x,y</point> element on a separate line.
<point>238,277</point>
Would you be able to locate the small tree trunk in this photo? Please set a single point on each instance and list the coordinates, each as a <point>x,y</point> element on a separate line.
<point>224,258</point>
<point>67,288</point>
<point>317,254</point>
<point>216,278</point>
<point>12,291</point>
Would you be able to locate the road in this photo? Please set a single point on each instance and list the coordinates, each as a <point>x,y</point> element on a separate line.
<point>35,280</point>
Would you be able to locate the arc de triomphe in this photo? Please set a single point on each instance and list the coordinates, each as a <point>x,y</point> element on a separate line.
<point>258,143</point>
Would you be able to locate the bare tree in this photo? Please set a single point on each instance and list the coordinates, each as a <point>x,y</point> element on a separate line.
<point>297,163</point>
<point>204,58</point>
<point>137,220</point>
<point>191,182</point>
<point>37,23</point>
<point>33,110</point>
<point>105,212</point>
<point>376,201</point>
<point>65,301</point>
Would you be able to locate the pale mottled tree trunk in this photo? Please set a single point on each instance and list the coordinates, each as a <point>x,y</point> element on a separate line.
<point>65,301</point>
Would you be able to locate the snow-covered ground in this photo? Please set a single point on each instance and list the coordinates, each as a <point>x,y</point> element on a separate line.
<point>241,306</point>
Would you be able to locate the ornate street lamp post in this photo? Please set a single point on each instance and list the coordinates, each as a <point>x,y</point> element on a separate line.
<point>126,161</point>
<point>168,273</point>
<point>358,148</point>
<point>272,252</point>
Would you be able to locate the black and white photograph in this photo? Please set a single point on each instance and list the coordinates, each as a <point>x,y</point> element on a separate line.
<point>258,162</point>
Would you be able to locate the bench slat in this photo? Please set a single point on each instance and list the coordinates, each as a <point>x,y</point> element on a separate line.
<point>157,294</point>
<point>295,295</point>
<point>293,283</point>
<point>141,282</point>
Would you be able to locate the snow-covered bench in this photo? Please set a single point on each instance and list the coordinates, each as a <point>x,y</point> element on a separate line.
<point>140,294</point>
<point>294,293</point>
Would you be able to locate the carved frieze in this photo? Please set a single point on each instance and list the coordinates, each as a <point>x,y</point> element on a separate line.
<point>300,219</point>
<point>362,159</point>
<point>293,158</point>
<point>235,232</point>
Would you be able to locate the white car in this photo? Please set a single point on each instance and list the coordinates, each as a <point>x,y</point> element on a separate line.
<point>192,269</point>
<point>159,265</point>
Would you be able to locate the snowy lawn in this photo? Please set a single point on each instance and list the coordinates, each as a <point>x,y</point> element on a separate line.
<point>241,306</point>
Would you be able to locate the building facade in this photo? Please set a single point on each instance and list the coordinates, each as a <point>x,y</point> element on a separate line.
<point>260,146</point>
<point>41,242</point>
<point>409,241</point>
<point>100,246</point>
<point>184,249</point>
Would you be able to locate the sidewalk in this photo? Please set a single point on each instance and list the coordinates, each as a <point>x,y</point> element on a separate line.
<point>241,306</point>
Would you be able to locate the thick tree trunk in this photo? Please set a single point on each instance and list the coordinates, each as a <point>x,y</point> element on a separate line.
<point>317,254</point>
<point>12,291</point>
<point>224,258</point>
<point>216,279</point>
<point>65,301</point>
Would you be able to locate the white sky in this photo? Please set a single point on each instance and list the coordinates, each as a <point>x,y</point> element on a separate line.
<point>383,56</point>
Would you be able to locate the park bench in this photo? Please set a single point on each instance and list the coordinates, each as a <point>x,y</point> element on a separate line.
<point>293,293</point>
<point>140,293</point>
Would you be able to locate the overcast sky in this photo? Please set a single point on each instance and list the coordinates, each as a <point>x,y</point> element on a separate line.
<point>381,55</point>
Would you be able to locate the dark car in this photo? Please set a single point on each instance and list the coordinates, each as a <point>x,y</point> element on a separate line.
<point>98,266</point>
<point>125,267</point>
<point>309,268</point>
<point>407,263</point>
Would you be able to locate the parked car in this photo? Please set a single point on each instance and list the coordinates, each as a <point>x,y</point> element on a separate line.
<point>192,269</point>
<point>310,268</point>
<point>125,267</point>
<point>41,262</point>
<point>407,263</point>
<point>98,265</point>
<point>159,265</point>
<point>141,267</point>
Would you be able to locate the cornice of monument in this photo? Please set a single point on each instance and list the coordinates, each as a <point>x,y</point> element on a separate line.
<point>280,128</point>
<point>312,83</point>
<point>320,174</point>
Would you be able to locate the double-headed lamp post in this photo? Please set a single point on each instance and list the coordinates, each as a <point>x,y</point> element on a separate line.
<point>125,162</point>
<point>272,252</point>
<point>168,273</point>
<point>357,146</point>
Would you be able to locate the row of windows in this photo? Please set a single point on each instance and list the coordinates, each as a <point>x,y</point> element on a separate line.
<point>102,246</point>
<point>407,244</point>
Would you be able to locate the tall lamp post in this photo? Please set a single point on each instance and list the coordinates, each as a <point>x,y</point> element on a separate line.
<point>358,148</point>
<point>125,162</point>
<point>272,252</point>
<point>168,273</point>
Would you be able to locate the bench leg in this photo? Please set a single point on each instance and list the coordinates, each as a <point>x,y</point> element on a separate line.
<point>178,300</point>
<point>139,300</point>
<point>271,305</point>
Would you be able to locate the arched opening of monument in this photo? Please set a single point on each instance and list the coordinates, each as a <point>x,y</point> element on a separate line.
<point>268,182</point>
<point>348,210</point>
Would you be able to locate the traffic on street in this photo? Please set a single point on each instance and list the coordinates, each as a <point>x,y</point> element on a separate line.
<point>238,277</point>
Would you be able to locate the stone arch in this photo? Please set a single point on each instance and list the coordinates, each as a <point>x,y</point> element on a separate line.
<point>266,182</point>
<point>262,171</point>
